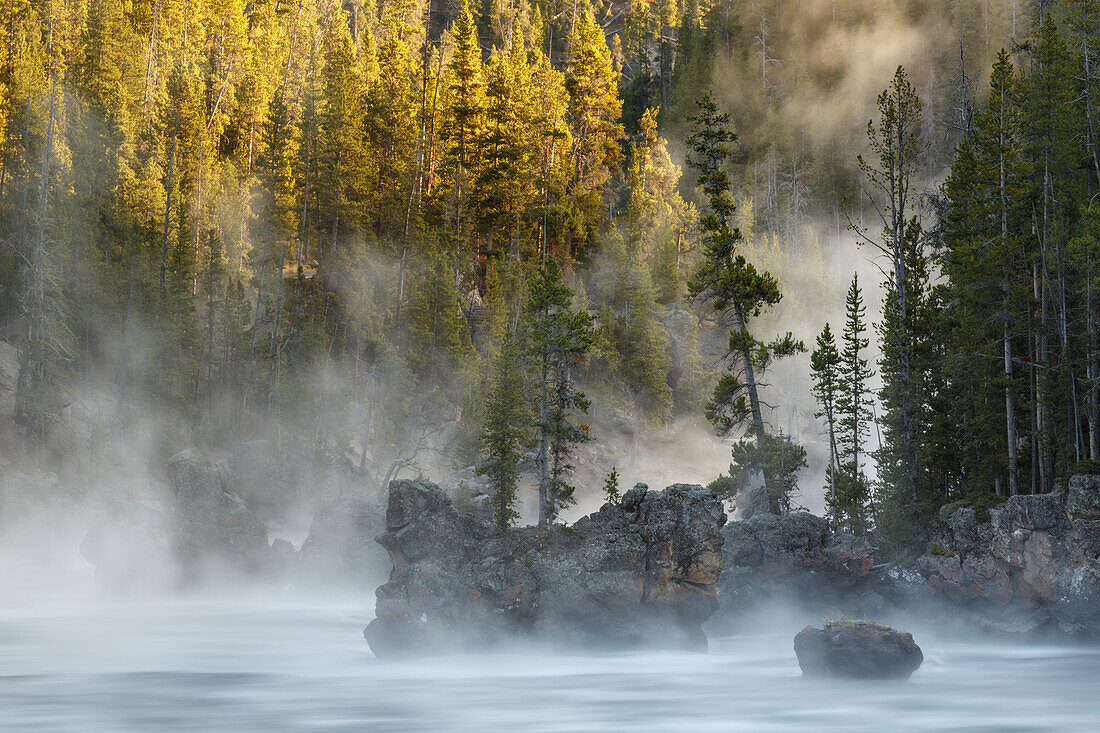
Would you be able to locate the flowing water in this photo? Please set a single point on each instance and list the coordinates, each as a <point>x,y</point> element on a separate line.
<point>276,664</point>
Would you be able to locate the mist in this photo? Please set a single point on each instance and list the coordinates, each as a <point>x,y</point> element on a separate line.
<point>267,369</point>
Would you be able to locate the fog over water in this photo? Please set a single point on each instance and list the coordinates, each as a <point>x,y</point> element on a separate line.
<point>280,660</point>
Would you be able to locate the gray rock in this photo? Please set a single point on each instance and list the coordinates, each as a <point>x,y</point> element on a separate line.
<point>215,528</point>
<point>858,651</point>
<point>962,531</point>
<point>1083,497</point>
<point>642,572</point>
<point>1034,564</point>
<point>270,481</point>
<point>794,560</point>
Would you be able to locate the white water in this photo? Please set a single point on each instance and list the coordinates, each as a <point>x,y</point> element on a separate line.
<point>276,664</point>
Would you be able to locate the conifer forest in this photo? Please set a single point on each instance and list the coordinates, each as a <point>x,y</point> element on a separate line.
<point>500,232</point>
<point>549,366</point>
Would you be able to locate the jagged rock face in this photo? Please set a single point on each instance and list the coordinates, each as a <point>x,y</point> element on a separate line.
<point>857,651</point>
<point>794,560</point>
<point>1035,563</point>
<point>642,572</point>
<point>215,528</point>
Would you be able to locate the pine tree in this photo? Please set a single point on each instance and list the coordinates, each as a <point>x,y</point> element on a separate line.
<point>594,110</point>
<point>611,486</point>
<point>558,337</point>
<point>502,439</point>
<point>853,401</point>
<point>896,146</point>
<point>462,119</point>
<point>341,154</point>
<point>736,291</point>
<point>825,370</point>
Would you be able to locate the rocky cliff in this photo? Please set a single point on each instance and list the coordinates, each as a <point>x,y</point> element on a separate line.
<point>640,572</point>
<point>1033,564</point>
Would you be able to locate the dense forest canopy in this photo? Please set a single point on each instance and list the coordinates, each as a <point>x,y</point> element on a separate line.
<point>502,230</point>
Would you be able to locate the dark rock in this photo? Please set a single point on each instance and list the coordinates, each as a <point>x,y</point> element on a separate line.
<point>642,572</point>
<point>753,501</point>
<point>962,531</point>
<point>973,579</point>
<point>1083,497</point>
<point>469,492</point>
<point>794,561</point>
<point>858,651</point>
<point>1033,512</point>
<point>1034,564</point>
<point>270,481</point>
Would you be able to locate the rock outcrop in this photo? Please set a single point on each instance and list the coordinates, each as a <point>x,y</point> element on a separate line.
<point>1035,563</point>
<point>270,481</point>
<point>795,561</point>
<point>214,526</point>
<point>857,650</point>
<point>640,572</point>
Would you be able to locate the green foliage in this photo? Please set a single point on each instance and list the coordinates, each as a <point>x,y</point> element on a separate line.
<point>611,486</point>
<point>776,458</point>
<point>504,434</point>
<point>558,338</point>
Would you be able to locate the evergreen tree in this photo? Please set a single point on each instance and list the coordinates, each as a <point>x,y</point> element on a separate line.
<point>341,155</point>
<point>558,338</point>
<point>502,440</point>
<point>736,291</point>
<point>825,367</point>
<point>594,110</point>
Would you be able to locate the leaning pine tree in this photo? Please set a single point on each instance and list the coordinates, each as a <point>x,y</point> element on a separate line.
<point>739,293</point>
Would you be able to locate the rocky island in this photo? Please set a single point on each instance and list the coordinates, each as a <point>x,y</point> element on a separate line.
<point>640,572</point>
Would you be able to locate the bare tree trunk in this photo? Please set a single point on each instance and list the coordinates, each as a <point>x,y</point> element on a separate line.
<point>168,202</point>
<point>252,345</point>
<point>1010,420</point>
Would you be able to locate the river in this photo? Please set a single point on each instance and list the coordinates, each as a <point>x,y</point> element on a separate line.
<point>286,663</point>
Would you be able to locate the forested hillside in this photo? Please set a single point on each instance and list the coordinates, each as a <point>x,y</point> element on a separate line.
<point>498,231</point>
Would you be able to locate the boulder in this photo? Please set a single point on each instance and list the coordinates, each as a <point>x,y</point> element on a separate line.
<point>641,572</point>
<point>1083,497</point>
<point>215,529</point>
<point>857,650</point>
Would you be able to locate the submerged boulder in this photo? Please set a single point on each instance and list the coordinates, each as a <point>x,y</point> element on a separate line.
<point>857,650</point>
<point>641,572</point>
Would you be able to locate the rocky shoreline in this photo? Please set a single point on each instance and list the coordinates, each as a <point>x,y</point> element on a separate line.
<point>1033,565</point>
<point>648,570</point>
